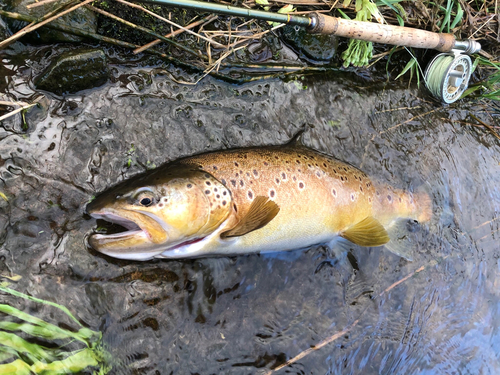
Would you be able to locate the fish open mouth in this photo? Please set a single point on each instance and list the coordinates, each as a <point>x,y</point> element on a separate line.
<point>115,227</point>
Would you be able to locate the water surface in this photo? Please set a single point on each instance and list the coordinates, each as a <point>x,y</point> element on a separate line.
<point>249,314</point>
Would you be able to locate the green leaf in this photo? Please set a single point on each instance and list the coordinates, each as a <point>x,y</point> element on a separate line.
<point>408,66</point>
<point>458,17</point>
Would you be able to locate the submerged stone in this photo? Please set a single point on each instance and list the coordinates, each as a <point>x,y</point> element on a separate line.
<point>314,46</point>
<point>74,71</point>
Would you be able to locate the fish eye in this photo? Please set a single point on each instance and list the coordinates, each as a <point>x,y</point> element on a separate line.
<point>146,201</point>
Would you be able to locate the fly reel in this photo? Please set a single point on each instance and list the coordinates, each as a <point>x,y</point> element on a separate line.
<point>447,75</point>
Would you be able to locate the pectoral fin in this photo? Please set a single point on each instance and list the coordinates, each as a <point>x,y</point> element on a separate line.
<point>368,232</point>
<point>261,211</point>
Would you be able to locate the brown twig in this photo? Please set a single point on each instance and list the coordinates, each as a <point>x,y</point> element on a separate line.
<point>489,127</point>
<point>174,33</point>
<point>212,42</point>
<point>40,3</point>
<point>27,30</point>
<point>145,30</point>
<point>345,330</point>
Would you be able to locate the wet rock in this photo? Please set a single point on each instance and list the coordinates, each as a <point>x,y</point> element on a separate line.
<point>81,19</point>
<point>4,30</point>
<point>74,71</point>
<point>313,46</point>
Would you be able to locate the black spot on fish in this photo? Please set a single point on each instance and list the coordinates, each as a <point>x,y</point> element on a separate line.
<point>389,198</point>
<point>218,196</point>
<point>298,161</point>
<point>283,175</point>
<point>334,171</point>
<point>301,185</point>
<point>242,183</point>
<point>223,182</point>
<point>309,165</point>
<point>334,192</point>
<point>250,194</point>
<point>318,174</point>
<point>345,169</point>
<point>352,197</point>
<point>236,164</point>
<point>207,175</point>
<point>215,189</point>
<point>272,193</point>
<point>255,172</point>
<point>224,192</point>
<point>224,203</point>
<point>277,180</point>
<point>361,188</point>
<point>160,205</point>
<point>237,174</point>
<point>235,208</point>
<point>189,186</point>
<point>294,178</point>
<point>208,183</point>
<point>341,178</point>
<point>276,157</point>
<point>215,168</point>
<point>233,182</point>
<point>266,163</point>
<point>207,192</point>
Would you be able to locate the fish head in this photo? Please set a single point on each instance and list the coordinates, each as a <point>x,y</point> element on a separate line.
<point>166,208</point>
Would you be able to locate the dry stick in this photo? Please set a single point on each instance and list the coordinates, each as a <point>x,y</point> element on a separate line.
<point>143,29</point>
<point>486,125</point>
<point>40,3</point>
<point>16,111</point>
<point>343,332</point>
<point>85,34</point>
<point>214,43</point>
<point>25,31</point>
<point>177,32</point>
<point>11,104</point>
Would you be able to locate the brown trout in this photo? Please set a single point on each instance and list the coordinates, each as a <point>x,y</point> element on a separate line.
<point>249,200</point>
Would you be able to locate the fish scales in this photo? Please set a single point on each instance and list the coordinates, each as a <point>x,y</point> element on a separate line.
<point>306,185</point>
<point>255,199</point>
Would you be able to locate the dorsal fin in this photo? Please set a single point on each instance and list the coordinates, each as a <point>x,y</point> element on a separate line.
<point>261,211</point>
<point>296,140</point>
<point>368,232</point>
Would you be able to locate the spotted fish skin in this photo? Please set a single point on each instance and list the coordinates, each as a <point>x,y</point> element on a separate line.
<point>308,198</point>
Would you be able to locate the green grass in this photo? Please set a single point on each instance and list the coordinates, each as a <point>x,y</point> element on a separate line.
<point>21,353</point>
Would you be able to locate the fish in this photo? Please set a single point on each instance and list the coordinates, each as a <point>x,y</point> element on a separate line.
<point>249,200</point>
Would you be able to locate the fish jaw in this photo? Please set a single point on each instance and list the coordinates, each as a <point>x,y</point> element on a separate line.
<point>143,240</point>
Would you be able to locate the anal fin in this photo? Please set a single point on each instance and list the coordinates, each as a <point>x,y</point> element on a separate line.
<point>368,232</point>
<point>261,212</point>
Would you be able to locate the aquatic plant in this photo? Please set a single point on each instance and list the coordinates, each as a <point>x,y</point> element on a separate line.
<point>21,351</point>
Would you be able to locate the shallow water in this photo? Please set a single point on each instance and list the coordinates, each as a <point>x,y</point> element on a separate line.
<point>249,314</point>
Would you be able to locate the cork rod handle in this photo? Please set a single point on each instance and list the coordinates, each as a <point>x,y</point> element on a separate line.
<point>379,33</point>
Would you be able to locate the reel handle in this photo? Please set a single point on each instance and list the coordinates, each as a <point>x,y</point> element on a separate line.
<point>388,34</point>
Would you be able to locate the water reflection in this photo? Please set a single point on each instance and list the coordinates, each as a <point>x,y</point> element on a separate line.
<point>249,314</point>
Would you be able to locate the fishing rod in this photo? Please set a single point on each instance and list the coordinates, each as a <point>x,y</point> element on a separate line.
<point>447,76</point>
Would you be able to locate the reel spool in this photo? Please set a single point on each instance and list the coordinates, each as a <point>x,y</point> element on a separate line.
<point>447,75</point>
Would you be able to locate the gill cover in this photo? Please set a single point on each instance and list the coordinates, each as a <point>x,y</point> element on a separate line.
<point>161,210</point>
